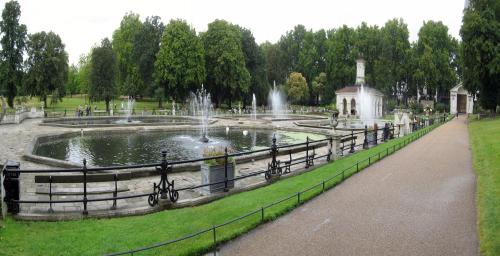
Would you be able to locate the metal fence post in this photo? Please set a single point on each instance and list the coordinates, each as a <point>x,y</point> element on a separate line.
<point>10,184</point>
<point>85,212</point>
<point>50,194</point>
<point>330,151</point>
<point>365,141</point>
<point>262,214</point>
<point>307,152</point>
<point>225,170</point>
<point>163,174</point>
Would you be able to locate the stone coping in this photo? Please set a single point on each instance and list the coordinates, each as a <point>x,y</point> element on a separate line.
<point>189,120</point>
<point>143,172</point>
<point>163,204</point>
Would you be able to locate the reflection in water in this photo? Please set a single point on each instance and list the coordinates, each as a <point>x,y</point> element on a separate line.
<point>104,149</point>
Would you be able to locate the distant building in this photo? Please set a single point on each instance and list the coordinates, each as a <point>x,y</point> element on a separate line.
<point>461,101</point>
<point>347,97</point>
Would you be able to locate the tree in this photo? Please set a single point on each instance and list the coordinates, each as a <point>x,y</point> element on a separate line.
<point>103,73</point>
<point>340,59</point>
<point>319,86</point>
<point>180,64</point>
<point>84,72</point>
<point>124,42</point>
<point>146,47</point>
<point>436,53</point>
<point>481,51</point>
<point>72,85</point>
<point>227,76</point>
<point>13,45</point>
<point>255,63</point>
<point>296,87</point>
<point>390,66</point>
<point>368,45</point>
<point>47,66</point>
<point>275,70</point>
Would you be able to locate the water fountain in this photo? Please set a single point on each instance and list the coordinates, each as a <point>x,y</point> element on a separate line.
<point>254,107</point>
<point>173,108</point>
<point>201,106</point>
<point>130,108</point>
<point>366,105</point>
<point>277,102</point>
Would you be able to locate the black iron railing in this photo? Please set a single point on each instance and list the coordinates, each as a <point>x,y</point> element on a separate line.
<point>338,177</point>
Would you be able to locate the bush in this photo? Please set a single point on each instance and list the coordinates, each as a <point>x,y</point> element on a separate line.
<point>416,108</point>
<point>391,104</point>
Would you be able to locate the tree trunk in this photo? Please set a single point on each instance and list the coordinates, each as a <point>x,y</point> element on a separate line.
<point>107,104</point>
<point>45,101</point>
<point>159,104</point>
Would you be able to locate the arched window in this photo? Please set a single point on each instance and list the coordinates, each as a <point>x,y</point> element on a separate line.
<point>353,107</point>
<point>344,107</point>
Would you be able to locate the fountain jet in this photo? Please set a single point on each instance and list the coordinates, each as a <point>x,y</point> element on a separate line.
<point>277,102</point>
<point>201,106</point>
<point>254,107</point>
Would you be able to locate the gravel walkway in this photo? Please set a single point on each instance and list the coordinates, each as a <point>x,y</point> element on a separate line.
<point>419,201</point>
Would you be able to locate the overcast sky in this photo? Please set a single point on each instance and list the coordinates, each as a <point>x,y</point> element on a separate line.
<point>84,23</point>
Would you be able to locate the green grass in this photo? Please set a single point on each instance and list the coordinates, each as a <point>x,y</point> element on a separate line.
<point>71,103</point>
<point>485,140</point>
<point>98,236</point>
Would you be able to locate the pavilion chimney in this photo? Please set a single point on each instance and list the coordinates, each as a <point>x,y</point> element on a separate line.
<point>360,71</point>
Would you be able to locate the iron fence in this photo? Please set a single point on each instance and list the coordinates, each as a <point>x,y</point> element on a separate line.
<point>338,177</point>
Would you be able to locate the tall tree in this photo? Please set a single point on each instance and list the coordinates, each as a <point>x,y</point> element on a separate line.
<point>180,64</point>
<point>124,39</point>
<point>368,45</point>
<point>296,87</point>
<point>103,73</point>
<point>319,86</point>
<point>146,47</point>
<point>275,70</point>
<point>84,72</point>
<point>481,51</point>
<point>255,63</point>
<point>391,75</point>
<point>227,76</point>
<point>72,84</point>
<point>340,59</point>
<point>13,45</point>
<point>436,52</point>
<point>47,66</point>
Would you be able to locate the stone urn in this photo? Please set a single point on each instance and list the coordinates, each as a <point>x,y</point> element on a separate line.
<point>212,173</point>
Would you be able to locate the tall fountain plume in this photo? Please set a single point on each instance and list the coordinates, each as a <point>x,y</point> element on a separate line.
<point>201,106</point>
<point>276,101</point>
<point>254,107</point>
<point>130,108</point>
<point>366,105</point>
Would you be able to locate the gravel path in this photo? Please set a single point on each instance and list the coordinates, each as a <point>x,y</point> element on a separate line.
<point>419,201</point>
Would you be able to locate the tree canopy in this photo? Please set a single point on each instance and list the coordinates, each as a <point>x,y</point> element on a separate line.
<point>103,73</point>
<point>481,51</point>
<point>47,66</point>
<point>180,64</point>
<point>296,87</point>
<point>13,45</point>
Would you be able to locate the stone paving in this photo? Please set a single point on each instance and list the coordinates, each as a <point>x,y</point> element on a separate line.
<point>418,201</point>
<point>16,138</point>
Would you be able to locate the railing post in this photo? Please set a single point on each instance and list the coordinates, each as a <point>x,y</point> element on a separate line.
<point>164,165</point>
<point>225,170</point>
<point>323,189</point>
<point>365,141</point>
<point>50,194</point>
<point>376,135</point>
<point>330,151</point>
<point>215,240</point>
<point>115,193</point>
<point>353,142</point>
<point>10,177</point>
<point>298,197</point>
<point>307,152</point>
<point>273,168</point>
<point>85,212</point>
<point>262,214</point>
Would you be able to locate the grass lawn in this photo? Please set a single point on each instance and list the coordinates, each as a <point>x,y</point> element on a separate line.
<point>485,140</point>
<point>71,103</point>
<point>98,236</point>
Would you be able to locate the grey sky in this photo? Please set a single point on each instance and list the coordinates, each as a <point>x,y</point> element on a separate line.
<point>84,23</point>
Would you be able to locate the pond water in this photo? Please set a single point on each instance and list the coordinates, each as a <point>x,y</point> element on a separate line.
<point>135,147</point>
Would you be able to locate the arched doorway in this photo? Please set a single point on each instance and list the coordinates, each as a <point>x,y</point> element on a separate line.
<point>353,107</point>
<point>344,107</point>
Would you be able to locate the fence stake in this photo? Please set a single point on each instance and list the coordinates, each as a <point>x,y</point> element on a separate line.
<point>307,152</point>
<point>357,169</point>
<point>115,193</point>
<point>225,170</point>
<point>298,197</point>
<point>50,194</point>
<point>323,190</point>
<point>215,241</point>
<point>262,214</point>
<point>369,160</point>
<point>85,212</point>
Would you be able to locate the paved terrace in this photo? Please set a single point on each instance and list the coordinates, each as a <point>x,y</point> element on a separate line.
<point>16,138</point>
<point>418,201</point>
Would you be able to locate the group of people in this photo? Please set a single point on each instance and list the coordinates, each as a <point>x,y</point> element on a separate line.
<point>87,111</point>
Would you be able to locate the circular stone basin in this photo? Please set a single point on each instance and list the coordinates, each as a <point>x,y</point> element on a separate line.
<point>133,147</point>
<point>342,124</point>
<point>119,121</point>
